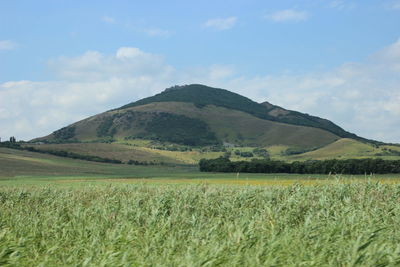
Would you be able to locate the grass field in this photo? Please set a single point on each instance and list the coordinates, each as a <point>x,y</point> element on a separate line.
<point>346,148</point>
<point>200,225</point>
<point>145,151</point>
<point>64,212</point>
<point>117,151</point>
<point>20,167</point>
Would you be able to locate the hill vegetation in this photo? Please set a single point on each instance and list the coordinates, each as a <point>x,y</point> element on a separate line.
<point>121,152</point>
<point>179,129</point>
<point>65,133</point>
<point>242,129</point>
<point>186,123</point>
<point>201,95</point>
<point>334,166</point>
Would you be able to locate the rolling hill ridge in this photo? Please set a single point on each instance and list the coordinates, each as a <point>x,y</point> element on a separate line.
<point>198,115</point>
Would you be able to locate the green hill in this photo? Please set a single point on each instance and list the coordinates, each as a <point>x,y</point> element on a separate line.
<point>202,96</point>
<point>240,128</point>
<point>186,123</point>
<point>197,115</point>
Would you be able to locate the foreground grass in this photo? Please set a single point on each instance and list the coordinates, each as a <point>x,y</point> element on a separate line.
<point>200,225</point>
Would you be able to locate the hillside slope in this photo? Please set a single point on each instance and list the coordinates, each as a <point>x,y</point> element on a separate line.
<point>186,124</point>
<point>243,129</point>
<point>202,95</point>
<point>21,164</point>
<point>25,164</point>
<point>346,148</point>
<point>197,115</point>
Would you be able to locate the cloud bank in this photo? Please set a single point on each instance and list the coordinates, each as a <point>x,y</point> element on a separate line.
<point>363,98</point>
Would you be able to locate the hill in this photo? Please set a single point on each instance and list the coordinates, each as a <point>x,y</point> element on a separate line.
<point>201,96</point>
<point>186,123</point>
<point>197,115</point>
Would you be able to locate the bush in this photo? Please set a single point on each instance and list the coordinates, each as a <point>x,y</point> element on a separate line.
<point>350,166</point>
<point>261,152</point>
<point>105,127</point>
<point>179,129</point>
<point>64,133</point>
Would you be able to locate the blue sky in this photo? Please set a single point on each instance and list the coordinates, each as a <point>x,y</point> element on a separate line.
<point>334,59</point>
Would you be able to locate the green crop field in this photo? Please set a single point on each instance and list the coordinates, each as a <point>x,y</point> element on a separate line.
<point>123,152</point>
<point>146,151</point>
<point>339,224</point>
<point>17,166</point>
<point>65,212</point>
<point>346,148</point>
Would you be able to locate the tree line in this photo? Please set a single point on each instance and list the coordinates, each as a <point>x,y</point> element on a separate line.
<point>61,153</point>
<point>332,166</point>
<point>73,155</point>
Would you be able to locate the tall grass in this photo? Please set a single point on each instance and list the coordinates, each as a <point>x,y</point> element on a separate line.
<point>200,225</point>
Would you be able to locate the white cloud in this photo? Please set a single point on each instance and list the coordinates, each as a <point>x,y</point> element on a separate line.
<point>395,5</point>
<point>108,19</point>
<point>7,45</point>
<point>391,52</point>
<point>156,32</point>
<point>341,4</point>
<point>129,52</point>
<point>361,97</point>
<point>94,66</point>
<point>288,15</point>
<point>150,31</point>
<point>221,24</point>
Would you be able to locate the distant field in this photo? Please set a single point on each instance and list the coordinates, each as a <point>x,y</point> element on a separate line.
<point>347,148</point>
<point>23,167</point>
<point>58,211</point>
<point>144,151</point>
<point>24,164</point>
<point>113,151</point>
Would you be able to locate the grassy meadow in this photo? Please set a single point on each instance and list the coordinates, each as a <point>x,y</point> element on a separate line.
<point>147,151</point>
<point>339,224</point>
<point>65,212</point>
<point>22,167</point>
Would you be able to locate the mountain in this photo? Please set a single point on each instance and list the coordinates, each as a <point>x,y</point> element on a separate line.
<point>198,115</point>
<point>201,95</point>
